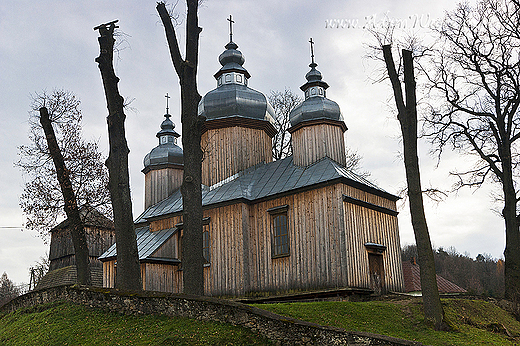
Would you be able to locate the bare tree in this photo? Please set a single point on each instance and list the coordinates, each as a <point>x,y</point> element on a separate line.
<point>407,116</point>
<point>283,103</point>
<point>191,188</point>
<point>42,200</point>
<point>128,275</point>
<point>61,167</point>
<point>476,77</point>
<point>38,271</point>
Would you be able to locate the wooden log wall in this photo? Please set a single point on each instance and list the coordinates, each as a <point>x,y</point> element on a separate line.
<point>233,149</point>
<point>311,143</point>
<point>161,183</point>
<point>365,225</point>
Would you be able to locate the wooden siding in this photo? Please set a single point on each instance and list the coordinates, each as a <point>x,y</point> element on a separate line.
<point>312,143</point>
<point>161,183</point>
<point>225,274</point>
<point>326,245</point>
<point>154,276</point>
<point>230,150</point>
<point>161,277</point>
<point>158,225</point>
<point>365,225</point>
<point>61,252</point>
<point>316,243</point>
<point>168,249</point>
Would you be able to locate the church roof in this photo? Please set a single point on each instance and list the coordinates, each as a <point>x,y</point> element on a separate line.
<point>90,217</point>
<point>267,180</point>
<point>412,280</point>
<point>147,243</point>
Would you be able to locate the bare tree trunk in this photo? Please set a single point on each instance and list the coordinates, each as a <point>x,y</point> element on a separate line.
<point>192,258</point>
<point>407,116</point>
<point>128,274</point>
<point>79,240</point>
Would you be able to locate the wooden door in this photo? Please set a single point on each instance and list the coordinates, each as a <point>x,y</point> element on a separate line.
<point>377,273</point>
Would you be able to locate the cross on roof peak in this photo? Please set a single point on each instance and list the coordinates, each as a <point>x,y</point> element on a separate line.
<point>231,21</point>
<point>167,108</point>
<point>312,50</point>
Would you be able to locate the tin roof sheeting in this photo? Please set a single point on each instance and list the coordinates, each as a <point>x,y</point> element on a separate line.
<point>147,242</point>
<point>263,180</point>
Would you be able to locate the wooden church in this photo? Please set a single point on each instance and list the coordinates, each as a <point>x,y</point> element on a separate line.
<point>301,223</point>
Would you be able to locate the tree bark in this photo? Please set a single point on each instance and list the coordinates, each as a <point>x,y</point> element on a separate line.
<point>128,275</point>
<point>191,188</point>
<point>79,239</point>
<point>407,116</point>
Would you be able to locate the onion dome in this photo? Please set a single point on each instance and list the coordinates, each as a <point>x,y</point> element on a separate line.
<point>167,153</point>
<point>233,103</point>
<point>316,105</point>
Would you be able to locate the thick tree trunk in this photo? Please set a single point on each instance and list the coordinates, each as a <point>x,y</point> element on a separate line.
<point>128,274</point>
<point>512,250</point>
<point>79,240</point>
<point>407,116</point>
<point>192,258</point>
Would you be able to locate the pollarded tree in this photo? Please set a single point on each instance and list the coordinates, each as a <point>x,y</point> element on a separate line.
<point>191,188</point>
<point>476,76</point>
<point>128,274</point>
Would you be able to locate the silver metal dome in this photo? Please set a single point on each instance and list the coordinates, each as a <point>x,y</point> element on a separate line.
<point>167,153</point>
<point>233,98</point>
<point>316,105</point>
<point>315,108</point>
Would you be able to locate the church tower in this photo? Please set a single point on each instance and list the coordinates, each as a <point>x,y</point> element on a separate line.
<point>317,126</point>
<point>239,121</point>
<point>163,165</point>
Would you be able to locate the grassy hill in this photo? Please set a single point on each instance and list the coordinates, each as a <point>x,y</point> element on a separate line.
<point>476,323</point>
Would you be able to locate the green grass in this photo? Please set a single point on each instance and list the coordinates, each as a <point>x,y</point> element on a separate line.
<point>63,324</point>
<point>475,322</point>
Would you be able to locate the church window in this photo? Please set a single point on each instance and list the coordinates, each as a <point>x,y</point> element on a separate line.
<point>280,243</point>
<point>239,78</point>
<point>228,78</point>
<point>205,244</point>
<point>206,241</point>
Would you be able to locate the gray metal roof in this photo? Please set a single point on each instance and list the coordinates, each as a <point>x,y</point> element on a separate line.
<point>314,108</point>
<point>147,242</point>
<point>232,100</point>
<point>265,180</point>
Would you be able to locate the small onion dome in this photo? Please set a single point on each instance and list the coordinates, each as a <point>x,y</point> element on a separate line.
<point>316,107</point>
<point>233,103</point>
<point>167,153</point>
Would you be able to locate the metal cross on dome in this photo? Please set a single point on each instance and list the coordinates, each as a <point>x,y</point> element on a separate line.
<point>167,108</point>
<point>231,21</point>
<point>312,49</point>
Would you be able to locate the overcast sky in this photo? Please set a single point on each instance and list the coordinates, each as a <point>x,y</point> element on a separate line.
<point>51,44</point>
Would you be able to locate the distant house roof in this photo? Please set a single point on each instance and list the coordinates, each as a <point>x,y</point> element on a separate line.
<point>412,280</point>
<point>91,217</point>
<point>147,243</point>
<point>267,180</point>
